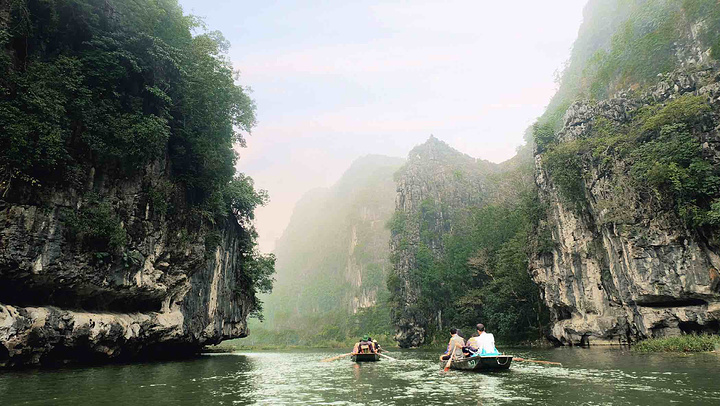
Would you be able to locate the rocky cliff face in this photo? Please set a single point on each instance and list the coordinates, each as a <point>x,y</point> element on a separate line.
<point>626,267</point>
<point>434,186</point>
<point>168,290</point>
<point>332,260</point>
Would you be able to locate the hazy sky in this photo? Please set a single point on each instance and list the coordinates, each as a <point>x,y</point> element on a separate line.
<point>336,80</point>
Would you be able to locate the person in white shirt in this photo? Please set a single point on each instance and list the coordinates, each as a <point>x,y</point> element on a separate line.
<point>483,344</point>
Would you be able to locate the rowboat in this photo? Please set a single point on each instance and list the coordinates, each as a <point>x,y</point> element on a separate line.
<point>365,357</point>
<point>483,363</point>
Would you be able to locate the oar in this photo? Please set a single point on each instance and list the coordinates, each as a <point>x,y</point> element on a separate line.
<point>536,361</point>
<point>447,366</point>
<point>338,357</point>
<point>383,355</point>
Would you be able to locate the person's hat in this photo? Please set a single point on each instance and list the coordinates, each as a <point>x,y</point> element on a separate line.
<point>366,337</point>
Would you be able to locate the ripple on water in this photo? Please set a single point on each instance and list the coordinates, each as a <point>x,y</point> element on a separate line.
<point>298,378</point>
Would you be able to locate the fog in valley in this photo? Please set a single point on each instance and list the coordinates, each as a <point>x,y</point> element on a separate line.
<point>334,81</point>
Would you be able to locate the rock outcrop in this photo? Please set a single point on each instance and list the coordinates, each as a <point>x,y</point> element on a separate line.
<point>125,229</point>
<point>332,259</point>
<point>169,289</point>
<point>621,269</point>
<point>433,187</point>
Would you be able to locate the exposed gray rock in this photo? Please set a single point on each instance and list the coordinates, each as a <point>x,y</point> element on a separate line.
<point>621,269</point>
<point>333,255</point>
<point>166,291</point>
<point>437,182</point>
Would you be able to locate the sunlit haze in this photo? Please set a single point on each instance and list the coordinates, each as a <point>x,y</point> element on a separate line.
<point>334,81</point>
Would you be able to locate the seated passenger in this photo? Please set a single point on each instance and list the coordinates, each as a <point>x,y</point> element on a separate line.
<point>469,349</point>
<point>455,346</point>
<point>484,343</point>
<point>364,346</point>
<point>376,346</point>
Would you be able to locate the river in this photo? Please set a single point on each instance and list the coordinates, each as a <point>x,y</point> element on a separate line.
<point>594,376</point>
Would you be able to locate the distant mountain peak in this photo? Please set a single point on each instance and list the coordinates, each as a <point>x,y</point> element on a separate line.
<point>435,149</point>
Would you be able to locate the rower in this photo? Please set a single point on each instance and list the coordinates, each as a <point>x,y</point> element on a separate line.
<point>455,346</point>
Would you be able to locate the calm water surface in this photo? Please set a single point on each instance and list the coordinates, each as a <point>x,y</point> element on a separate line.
<point>594,376</point>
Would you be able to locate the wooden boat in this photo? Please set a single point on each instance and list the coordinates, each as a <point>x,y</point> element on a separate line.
<point>370,357</point>
<point>483,363</point>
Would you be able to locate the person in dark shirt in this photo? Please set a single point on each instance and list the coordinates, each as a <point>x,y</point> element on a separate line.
<point>364,346</point>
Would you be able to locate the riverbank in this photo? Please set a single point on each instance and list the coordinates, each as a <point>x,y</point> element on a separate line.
<point>684,343</point>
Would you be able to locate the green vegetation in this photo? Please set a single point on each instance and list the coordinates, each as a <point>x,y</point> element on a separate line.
<point>499,291</point>
<point>653,160</point>
<point>683,343</point>
<point>625,44</point>
<point>564,163</point>
<point>159,198</point>
<point>332,263</point>
<point>96,227</point>
<point>397,222</point>
<point>110,89</point>
<point>671,165</point>
<point>112,85</point>
<point>662,155</point>
<point>258,276</point>
<point>544,134</point>
<point>641,48</point>
<point>482,271</point>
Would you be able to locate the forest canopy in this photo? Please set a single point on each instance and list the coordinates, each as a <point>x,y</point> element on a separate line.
<point>109,88</point>
<point>114,85</point>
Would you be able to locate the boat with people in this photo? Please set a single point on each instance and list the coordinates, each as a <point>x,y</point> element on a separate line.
<point>366,350</point>
<point>477,354</point>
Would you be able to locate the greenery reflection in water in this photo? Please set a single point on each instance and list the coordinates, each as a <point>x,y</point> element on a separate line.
<point>589,376</point>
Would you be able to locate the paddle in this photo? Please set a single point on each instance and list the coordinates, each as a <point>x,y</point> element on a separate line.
<point>447,366</point>
<point>383,355</point>
<point>536,361</point>
<point>338,357</point>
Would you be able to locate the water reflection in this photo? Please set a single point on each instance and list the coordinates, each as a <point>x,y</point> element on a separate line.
<point>588,376</point>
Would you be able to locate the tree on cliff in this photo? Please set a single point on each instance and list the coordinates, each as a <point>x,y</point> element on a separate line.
<point>114,84</point>
<point>460,248</point>
<point>111,87</point>
<point>627,162</point>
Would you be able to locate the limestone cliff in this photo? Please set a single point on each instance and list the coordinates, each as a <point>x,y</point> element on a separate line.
<point>332,259</point>
<point>170,290</point>
<point>436,184</point>
<point>624,267</point>
<point>629,173</point>
<point>124,228</point>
